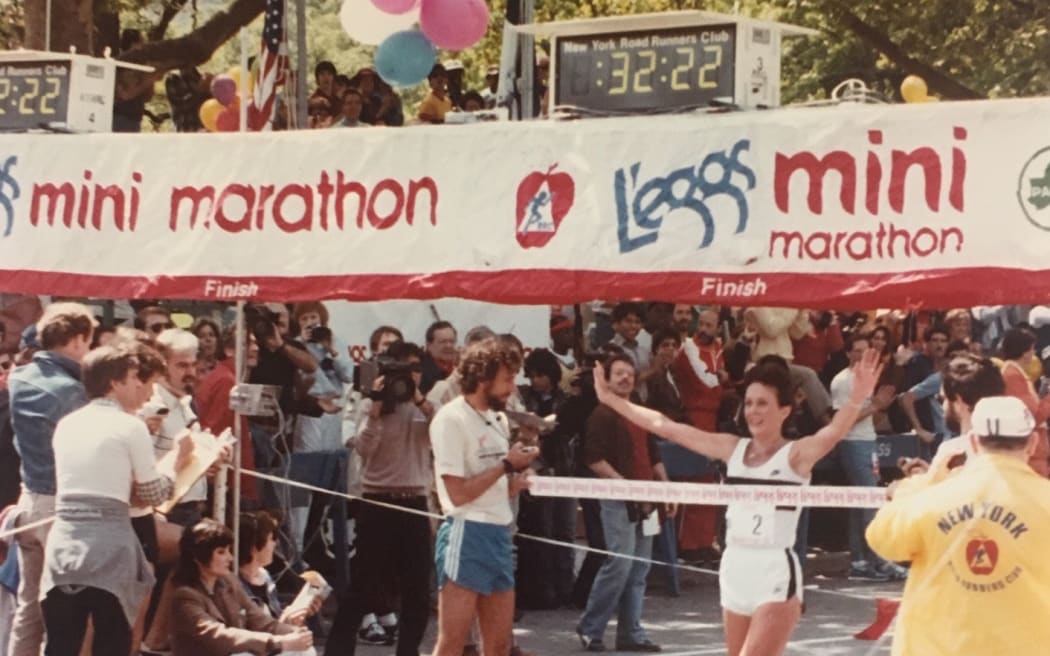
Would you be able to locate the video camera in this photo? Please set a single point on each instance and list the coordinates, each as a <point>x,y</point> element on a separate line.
<point>262,322</point>
<point>398,386</point>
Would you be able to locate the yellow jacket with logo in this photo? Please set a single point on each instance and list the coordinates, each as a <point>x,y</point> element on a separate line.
<point>979,544</point>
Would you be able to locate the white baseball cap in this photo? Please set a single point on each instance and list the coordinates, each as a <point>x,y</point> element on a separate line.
<point>1002,416</point>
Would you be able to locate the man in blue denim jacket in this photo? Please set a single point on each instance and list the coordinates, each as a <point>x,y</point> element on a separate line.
<point>42,392</point>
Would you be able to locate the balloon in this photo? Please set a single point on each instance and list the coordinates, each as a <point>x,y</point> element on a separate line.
<point>454,24</point>
<point>209,113</point>
<point>913,89</point>
<point>404,59</point>
<point>229,120</point>
<point>367,24</point>
<point>237,75</point>
<point>224,89</point>
<point>395,6</point>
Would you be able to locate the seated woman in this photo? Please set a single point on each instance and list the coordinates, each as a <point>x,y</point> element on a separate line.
<point>212,614</point>
<point>256,553</point>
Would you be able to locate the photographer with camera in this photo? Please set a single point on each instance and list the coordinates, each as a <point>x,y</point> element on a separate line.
<point>392,547</point>
<point>281,362</point>
<point>324,433</point>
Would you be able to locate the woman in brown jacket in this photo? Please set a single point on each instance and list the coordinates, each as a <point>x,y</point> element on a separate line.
<point>212,614</point>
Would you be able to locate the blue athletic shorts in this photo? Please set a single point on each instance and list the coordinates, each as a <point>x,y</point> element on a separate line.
<point>474,555</point>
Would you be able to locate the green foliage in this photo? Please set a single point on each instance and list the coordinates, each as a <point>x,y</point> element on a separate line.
<point>998,48</point>
<point>12,21</point>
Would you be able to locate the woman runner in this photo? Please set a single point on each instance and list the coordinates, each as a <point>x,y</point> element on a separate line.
<point>760,577</point>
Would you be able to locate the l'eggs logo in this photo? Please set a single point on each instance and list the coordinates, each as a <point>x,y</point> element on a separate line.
<point>8,181</point>
<point>1033,189</point>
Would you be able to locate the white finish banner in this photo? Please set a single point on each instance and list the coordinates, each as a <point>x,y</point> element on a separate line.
<point>851,206</point>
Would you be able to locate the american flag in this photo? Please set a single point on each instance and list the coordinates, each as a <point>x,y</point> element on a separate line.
<point>273,61</point>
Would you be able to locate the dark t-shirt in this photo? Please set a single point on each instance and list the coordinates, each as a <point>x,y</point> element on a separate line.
<point>608,437</point>
<point>274,368</point>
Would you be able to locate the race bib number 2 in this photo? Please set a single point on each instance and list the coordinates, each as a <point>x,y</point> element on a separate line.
<point>753,526</point>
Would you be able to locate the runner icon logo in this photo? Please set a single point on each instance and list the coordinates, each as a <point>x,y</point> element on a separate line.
<point>544,198</point>
<point>1033,189</point>
<point>982,555</point>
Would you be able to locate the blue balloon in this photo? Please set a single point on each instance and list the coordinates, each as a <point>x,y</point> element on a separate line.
<point>405,59</point>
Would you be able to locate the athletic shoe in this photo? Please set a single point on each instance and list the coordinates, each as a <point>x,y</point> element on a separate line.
<point>643,646</point>
<point>590,644</point>
<point>863,571</point>
<point>894,571</point>
<point>374,634</point>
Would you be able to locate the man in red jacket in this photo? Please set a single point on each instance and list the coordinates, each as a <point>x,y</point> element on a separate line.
<point>699,372</point>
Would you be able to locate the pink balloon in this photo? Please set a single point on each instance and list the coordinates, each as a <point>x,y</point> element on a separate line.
<point>454,24</point>
<point>395,6</point>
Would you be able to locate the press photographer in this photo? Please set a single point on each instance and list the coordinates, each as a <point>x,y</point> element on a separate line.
<point>282,362</point>
<point>393,547</point>
<point>323,433</point>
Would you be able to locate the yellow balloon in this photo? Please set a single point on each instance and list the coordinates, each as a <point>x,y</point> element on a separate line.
<point>209,113</point>
<point>236,73</point>
<point>913,89</point>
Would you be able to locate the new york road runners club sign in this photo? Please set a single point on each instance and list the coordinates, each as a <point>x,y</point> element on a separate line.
<point>848,206</point>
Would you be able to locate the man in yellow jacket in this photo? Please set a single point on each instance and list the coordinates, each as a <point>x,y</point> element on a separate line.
<point>978,543</point>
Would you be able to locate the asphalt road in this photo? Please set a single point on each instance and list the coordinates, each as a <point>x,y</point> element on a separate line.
<point>690,624</point>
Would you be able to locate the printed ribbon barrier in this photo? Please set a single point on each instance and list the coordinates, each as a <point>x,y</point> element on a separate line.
<point>849,206</point>
<point>709,494</point>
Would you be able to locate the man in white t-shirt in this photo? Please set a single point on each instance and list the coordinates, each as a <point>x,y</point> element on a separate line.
<point>856,457</point>
<point>477,472</point>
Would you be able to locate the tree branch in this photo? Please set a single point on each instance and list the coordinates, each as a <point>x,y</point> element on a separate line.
<point>171,10</point>
<point>198,46</point>
<point>947,86</point>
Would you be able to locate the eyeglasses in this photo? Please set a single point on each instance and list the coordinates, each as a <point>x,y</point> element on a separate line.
<point>160,327</point>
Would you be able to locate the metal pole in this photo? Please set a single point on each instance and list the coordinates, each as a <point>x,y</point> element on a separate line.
<point>300,64</point>
<point>47,26</point>
<point>245,82</point>
<point>239,365</point>
<point>528,62</point>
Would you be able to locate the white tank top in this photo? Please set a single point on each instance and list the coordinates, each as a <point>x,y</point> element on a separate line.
<point>762,526</point>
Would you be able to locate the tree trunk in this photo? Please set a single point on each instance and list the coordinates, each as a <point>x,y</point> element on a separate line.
<point>72,25</point>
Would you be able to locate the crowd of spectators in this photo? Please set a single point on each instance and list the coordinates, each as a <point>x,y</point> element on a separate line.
<point>90,414</point>
<point>341,99</point>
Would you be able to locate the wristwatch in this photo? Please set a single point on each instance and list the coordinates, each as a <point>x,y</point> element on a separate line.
<point>508,466</point>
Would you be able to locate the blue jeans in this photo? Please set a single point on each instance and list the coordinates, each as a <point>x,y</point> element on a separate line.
<point>855,460</point>
<point>620,584</point>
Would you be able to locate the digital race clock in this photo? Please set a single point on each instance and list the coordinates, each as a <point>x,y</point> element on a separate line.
<point>33,93</point>
<point>57,91</point>
<point>655,69</point>
<point>665,61</point>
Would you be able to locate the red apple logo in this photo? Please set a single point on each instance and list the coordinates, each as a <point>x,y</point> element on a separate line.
<point>543,201</point>
<point>982,554</point>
